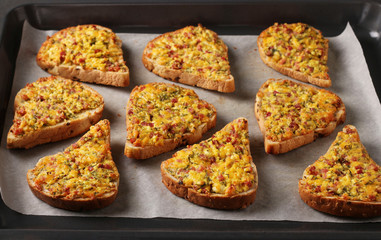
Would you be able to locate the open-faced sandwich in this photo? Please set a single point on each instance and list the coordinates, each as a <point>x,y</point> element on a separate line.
<point>52,109</point>
<point>82,177</point>
<point>216,173</point>
<point>296,50</point>
<point>88,53</point>
<point>345,181</point>
<point>293,114</point>
<point>193,56</point>
<point>162,116</point>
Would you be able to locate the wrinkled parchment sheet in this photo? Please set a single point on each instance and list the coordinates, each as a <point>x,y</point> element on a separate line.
<point>141,193</point>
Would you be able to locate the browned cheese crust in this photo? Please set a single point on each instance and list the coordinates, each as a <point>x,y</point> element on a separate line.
<point>212,200</point>
<point>216,201</point>
<point>76,204</point>
<point>117,79</point>
<point>337,205</point>
<point>289,71</point>
<point>279,147</point>
<point>60,131</point>
<point>340,207</point>
<point>148,151</point>
<point>79,204</point>
<point>177,75</point>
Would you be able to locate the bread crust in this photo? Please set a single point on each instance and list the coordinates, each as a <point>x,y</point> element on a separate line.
<point>117,79</point>
<point>272,147</point>
<point>216,201</point>
<point>336,206</point>
<point>339,207</point>
<point>180,76</point>
<point>149,151</point>
<point>145,152</point>
<point>289,71</point>
<point>63,130</point>
<point>77,204</point>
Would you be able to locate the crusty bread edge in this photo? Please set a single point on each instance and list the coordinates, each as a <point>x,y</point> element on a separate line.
<point>215,201</point>
<point>339,207</point>
<point>289,71</point>
<point>63,130</point>
<point>226,86</point>
<point>80,204</point>
<point>117,79</point>
<point>293,143</point>
<point>335,206</point>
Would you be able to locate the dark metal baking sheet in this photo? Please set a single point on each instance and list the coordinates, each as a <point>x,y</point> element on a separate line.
<point>225,17</point>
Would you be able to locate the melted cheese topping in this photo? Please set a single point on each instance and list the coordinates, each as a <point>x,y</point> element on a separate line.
<point>50,101</point>
<point>83,170</point>
<point>221,164</point>
<point>345,171</point>
<point>291,109</point>
<point>297,46</point>
<point>87,46</point>
<point>195,50</point>
<point>159,111</point>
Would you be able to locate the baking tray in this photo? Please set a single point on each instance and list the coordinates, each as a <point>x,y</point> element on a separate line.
<point>224,17</point>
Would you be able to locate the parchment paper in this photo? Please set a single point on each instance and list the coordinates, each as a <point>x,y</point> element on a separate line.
<point>141,192</point>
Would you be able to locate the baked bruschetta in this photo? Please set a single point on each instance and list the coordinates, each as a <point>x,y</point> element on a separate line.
<point>52,109</point>
<point>193,55</point>
<point>88,53</point>
<point>345,181</point>
<point>82,177</point>
<point>216,173</point>
<point>292,114</point>
<point>297,50</point>
<point>162,116</point>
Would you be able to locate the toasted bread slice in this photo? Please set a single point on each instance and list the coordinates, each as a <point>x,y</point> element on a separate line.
<point>216,173</point>
<point>162,116</point>
<point>52,109</point>
<point>345,181</point>
<point>88,53</point>
<point>192,55</point>
<point>296,50</point>
<point>82,177</point>
<point>293,114</point>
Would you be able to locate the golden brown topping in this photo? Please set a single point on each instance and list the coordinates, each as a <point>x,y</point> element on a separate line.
<point>297,46</point>
<point>83,170</point>
<point>345,171</point>
<point>195,50</point>
<point>221,164</point>
<point>159,111</point>
<point>50,101</point>
<point>88,46</point>
<point>291,109</point>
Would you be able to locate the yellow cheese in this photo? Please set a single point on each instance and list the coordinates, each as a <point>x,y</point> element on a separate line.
<point>195,50</point>
<point>291,109</point>
<point>161,111</point>
<point>50,101</point>
<point>345,171</point>
<point>87,46</point>
<point>297,46</point>
<point>221,164</point>
<point>83,170</point>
